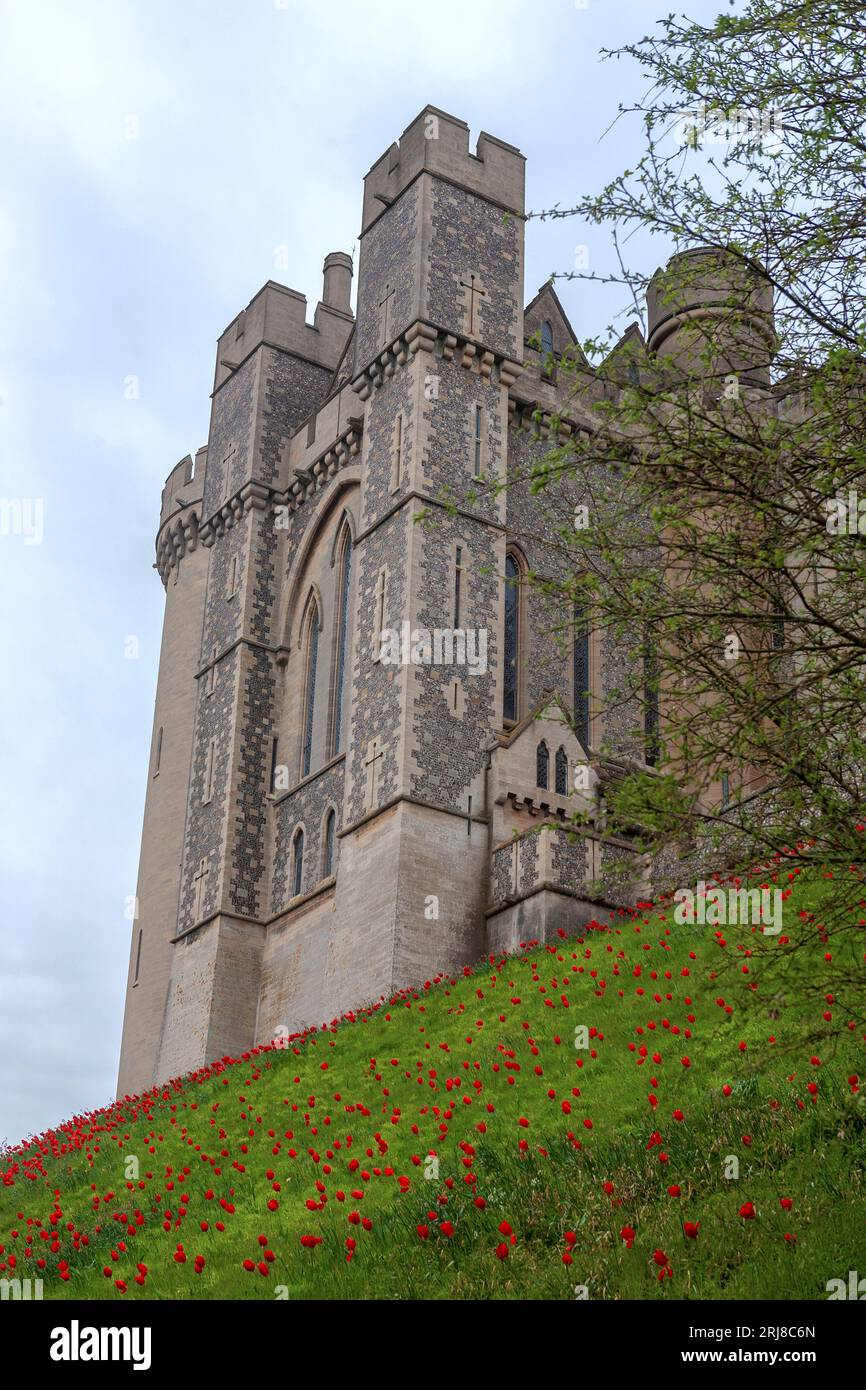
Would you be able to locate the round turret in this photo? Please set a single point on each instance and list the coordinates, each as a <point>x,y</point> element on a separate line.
<point>709,314</point>
<point>182,564</point>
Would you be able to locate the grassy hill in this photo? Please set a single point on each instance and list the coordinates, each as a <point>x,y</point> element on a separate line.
<point>468,1140</point>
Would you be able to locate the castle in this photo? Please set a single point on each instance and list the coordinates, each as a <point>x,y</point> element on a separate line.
<point>330,816</point>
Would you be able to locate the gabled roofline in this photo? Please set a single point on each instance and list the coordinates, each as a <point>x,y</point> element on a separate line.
<point>632,335</point>
<point>548,289</point>
<point>509,736</point>
<point>335,378</point>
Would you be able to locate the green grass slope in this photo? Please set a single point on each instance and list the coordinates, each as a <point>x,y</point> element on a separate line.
<point>651,1111</point>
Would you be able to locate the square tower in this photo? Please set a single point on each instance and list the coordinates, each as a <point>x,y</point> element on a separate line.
<point>438,342</point>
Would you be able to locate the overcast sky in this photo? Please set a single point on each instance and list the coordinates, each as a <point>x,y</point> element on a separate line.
<point>157,155</point>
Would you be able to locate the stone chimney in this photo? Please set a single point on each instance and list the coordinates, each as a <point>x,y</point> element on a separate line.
<point>337,285</point>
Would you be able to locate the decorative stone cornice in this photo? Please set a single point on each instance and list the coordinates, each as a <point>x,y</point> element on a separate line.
<point>307,481</point>
<point>256,496</point>
<point>178,537</point>
<point>426,337</point>
<point>253,496</point>
<point>540,419</point>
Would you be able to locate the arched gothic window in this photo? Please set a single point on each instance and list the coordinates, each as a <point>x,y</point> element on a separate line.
<point>298,863</point>
<point>342,637</point>
<point>542,765</point>
<point>510,702</point>
<point>561,773</point>
<point>546,349</point>
<point>582,673</point>
<point>312,651</point>
<point>328,838</point>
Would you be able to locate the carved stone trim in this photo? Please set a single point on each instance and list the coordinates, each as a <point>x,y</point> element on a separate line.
<point>307,481</point>
<point>256,496</point>
<point>253,496</point>
<point>523,415</point>
<point>176,539</point>
<point>426,337</point>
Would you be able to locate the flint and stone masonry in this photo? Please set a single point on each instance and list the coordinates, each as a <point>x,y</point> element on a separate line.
<point>322,827</point>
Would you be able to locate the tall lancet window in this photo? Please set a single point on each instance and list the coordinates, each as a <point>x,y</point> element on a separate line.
<point>561,772</point>
<point>458,576</point>
<point>546,349</point>
<point>582,673</point>
<point>344,599</point>
<point>512,638</point>
<point>328,854</point>
<point>297,863</point>
<point>542,765</point>
<point>312,646</point>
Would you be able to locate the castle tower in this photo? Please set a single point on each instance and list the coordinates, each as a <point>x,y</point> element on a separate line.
<point>272,369</point>
<point>439,340</point>
<point>354,768</point>
<point>711,315</point>
<point>182,566</point>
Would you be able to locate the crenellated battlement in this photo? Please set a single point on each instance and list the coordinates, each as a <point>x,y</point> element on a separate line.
<point>439,144</point>
<point>183,484</point>
<point>277,316</point>
<point>180,513</point>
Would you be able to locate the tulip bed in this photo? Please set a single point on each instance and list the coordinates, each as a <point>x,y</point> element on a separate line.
<point>645,1111</point>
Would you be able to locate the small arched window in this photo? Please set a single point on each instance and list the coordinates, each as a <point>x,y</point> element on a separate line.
<point>297,863</point>
<point>561,772</point>
<point>513,635</point>
<point>312,652</point>
<point>328,838</point>
<point>343,601</point>
<point>546,349</point>
<point>542,765</point>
